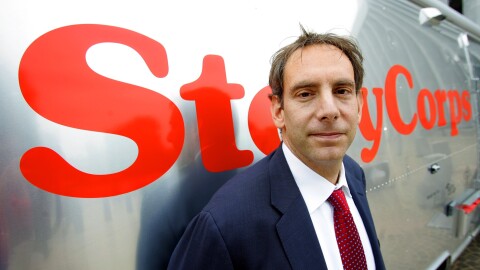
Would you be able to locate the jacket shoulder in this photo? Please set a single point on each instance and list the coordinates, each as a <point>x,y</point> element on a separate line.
<point>243,189</point>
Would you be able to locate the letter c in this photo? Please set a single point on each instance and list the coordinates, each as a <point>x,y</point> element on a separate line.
<point>391,100</point>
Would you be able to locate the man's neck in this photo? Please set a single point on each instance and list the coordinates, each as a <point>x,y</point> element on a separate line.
<point>330,170</point>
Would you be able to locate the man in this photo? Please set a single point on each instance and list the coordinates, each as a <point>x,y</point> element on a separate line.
<point>278,214</point>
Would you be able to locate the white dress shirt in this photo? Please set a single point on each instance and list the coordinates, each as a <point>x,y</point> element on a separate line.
<point>315,191</point>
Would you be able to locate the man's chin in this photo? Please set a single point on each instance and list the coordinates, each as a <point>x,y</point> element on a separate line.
<point>331,156</point>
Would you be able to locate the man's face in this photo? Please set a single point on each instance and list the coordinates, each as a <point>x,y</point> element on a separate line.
<point>321,110</point>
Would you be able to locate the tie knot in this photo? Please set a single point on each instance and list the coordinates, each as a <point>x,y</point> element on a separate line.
<point>338,201</point>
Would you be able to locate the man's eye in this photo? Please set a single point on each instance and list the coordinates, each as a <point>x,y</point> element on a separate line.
<point>304,94</point>
<point>342,91</point>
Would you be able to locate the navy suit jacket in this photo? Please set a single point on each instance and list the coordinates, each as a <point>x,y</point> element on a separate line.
<point>259,220</point>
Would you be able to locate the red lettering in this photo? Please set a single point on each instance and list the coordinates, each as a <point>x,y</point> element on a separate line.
<point>455,111</point>
<point>391,100</point>
<point>428,122</point>
<point>58,84</point>
<point>441,97</point>
<point>262,130</point>
<point>467,107</point>
<point>366,127</point>
<point>212,95</point>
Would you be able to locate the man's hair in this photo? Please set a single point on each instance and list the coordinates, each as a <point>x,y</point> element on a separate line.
<point>346,44</point>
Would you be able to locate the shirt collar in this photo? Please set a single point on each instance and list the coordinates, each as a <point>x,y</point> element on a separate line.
<point>315,189</point>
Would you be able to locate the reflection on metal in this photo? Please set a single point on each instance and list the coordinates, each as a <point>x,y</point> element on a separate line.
<point>466,211</point>
<point>442,262</point>
<point>463,44</point>
<point>138,230</point>
<point>463,40</point>
<point>465,243</point>
<point>430,16</point>
<point>432,52</point>
<point>452,16</point>
<point>434,168</point>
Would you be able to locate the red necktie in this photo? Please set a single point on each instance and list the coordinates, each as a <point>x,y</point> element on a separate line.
<point>348,239</point>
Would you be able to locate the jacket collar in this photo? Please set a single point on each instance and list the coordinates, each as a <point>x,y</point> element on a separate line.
<point>295,228</point>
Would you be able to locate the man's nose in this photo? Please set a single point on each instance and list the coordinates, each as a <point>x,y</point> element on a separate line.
<point>327,107</point>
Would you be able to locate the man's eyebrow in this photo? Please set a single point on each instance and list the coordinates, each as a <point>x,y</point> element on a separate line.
<point>312,84</point>
<point>304,84</point>
<point>345,82</point>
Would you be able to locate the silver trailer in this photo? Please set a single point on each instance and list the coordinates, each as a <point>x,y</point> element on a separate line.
<point>119,120</point>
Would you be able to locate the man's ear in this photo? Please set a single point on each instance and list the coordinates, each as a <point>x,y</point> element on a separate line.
<point>276,109</point>
<point>360,97</point>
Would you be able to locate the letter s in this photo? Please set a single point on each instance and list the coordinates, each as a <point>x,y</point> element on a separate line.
<point>58,84</point>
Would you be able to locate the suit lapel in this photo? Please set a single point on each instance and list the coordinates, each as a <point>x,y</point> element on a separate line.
<point>358,195</point>
<point>360,199</point>
<point>295,228</point>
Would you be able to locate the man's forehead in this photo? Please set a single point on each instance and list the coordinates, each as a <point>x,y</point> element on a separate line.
<point>319,48</point>
<point>318,55</point>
